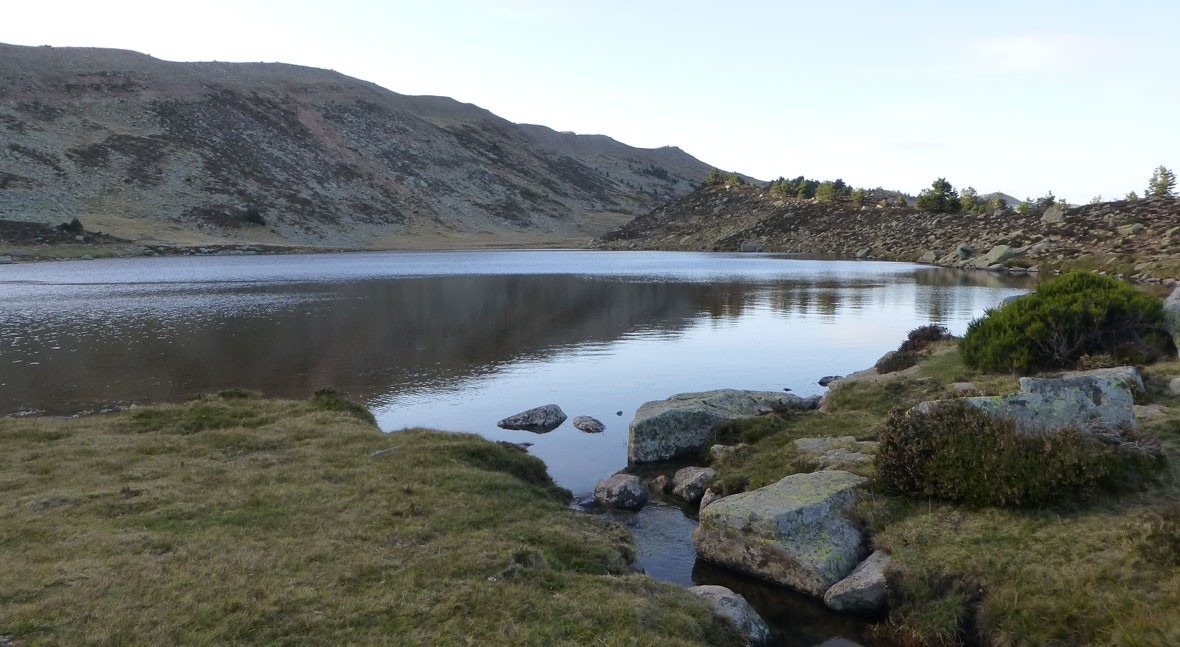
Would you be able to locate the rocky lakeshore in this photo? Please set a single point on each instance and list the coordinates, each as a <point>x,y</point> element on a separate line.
<point>804,495</point>
<point>1132,239</point>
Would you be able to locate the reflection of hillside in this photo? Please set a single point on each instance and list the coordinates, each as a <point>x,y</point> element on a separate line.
<point>375,338</point>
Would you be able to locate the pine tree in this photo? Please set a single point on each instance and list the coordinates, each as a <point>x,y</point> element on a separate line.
<point>1162,183</point>
<point>941,197</point>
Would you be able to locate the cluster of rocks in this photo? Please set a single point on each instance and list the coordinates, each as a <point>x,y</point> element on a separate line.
<point>798,532</point>
<point>546,418</point>
<point>1135,239</point>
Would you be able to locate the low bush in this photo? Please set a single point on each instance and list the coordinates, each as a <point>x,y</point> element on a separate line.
<point>1065,319</point>
<point>922,336</point>
<point>957,452</point>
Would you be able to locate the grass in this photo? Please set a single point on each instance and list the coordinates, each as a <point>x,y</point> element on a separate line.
<point>235,520</point>
<point>1099,571</point>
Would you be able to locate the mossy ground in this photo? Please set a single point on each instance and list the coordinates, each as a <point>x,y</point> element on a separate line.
<point>1099,571</point>
<point>234,520</point>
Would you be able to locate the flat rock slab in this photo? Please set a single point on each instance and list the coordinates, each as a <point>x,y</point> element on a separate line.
<point>836,452</point>
<point>795,533</point>
<point>682,424</point>
<point>1100,400</point>
<point>538,420</point>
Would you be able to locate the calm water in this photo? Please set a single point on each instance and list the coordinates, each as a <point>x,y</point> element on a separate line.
<point>458,340</point>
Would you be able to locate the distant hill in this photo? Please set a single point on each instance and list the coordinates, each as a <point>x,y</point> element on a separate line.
<point>274,153</point>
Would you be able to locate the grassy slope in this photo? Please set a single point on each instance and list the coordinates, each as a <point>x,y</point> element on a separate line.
<point>236,520</point>
<point>1105,571</point>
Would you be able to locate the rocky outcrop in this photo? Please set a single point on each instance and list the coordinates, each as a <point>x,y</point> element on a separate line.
<point>721,218</point>
<point>684,423</point>
<point>689,483</point>
<point>864,590</point>
<point>623,491</point>
<point>540,420</point>
<point>838,452</point>
<point>589,425</point>
<point>1101,401</point>
<point>796,532</point>
<point>737,611</point>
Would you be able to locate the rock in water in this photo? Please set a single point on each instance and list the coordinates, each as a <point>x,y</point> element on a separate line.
<point>539,420</point>
<point>863,591</point>
<point>589,425</point>
<point>796,532</point>
<point>735,609</point>
<point>623,491</point>
<point>689,483</point>
<point>684,423</point>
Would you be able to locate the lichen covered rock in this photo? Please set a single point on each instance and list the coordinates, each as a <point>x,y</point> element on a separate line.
<point>796,532</point>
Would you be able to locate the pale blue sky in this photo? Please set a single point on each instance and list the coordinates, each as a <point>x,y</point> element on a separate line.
<point>1079,97</point>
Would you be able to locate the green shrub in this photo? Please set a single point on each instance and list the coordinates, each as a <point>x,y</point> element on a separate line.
<point>896,361</point>
<point>1074,315</point>
<point>957,452</point>
<point>72,227</point>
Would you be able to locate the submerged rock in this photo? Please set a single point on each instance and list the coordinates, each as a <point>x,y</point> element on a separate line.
<point>684,423</point>
<point>737,611</point>
<point>864,590</point>
<point>796,532</point>
<point>538,420</point>
<point>623,491</point>
<point>589,425</point>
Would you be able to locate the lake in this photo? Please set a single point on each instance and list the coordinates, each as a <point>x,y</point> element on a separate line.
<point>457,340</point>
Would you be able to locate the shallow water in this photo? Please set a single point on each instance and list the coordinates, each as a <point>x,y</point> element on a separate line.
<point>458,340</point>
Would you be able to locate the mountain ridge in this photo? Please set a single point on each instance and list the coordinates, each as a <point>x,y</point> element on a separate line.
<point>149,149</point>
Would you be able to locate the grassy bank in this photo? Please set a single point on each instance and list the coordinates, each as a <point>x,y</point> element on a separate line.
<point>234,520</point>
<point>1104,570</point>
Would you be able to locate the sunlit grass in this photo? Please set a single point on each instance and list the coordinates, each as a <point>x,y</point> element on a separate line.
<point>237,520</point>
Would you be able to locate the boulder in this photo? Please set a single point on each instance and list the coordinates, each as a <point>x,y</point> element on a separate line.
<point>1100,401</point>
<point>836,452</point>
<point>1054,215</point>
<point>1131,229</point>
<point>708,497</point>
<point>659,484</point>
<point>863,591</point>
<point>589,425</point>
<point>539,420</point>
<point>750,246</point>
<point>863,252</point>
<point>828,379</point>
<point>689,483</point>
<point>1151,411</point>
<point>997,255</point>
<point>6,260</point>
<point>684,423</point>
<point>1174,386</point>
<point>1172,315</point>
<point>623,491</point>
<point>795,533</point>
<point>928,257</point>
<point>963,387</point>
<point>737,611</point>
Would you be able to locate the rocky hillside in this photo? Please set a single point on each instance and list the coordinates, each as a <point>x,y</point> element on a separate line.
<point>1131,238</point>
<point>271,153</point>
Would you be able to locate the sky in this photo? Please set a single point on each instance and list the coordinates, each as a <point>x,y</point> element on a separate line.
<point>1076,97</point>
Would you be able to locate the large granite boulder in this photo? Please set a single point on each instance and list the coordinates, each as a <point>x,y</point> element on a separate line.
<point>539,419</point>
<point>1101,401</point>
<point>795,533</point>
<point>737,611</point>
<point>997,254</point>
<point>689,483</point>
<point>684,423</point>
<point>623,491</point>
<point>864,590</point>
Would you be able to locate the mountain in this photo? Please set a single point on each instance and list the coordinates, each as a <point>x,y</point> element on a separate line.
<point>282,154</point>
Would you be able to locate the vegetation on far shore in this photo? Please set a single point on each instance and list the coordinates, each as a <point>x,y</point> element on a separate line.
<point>234,520</point>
